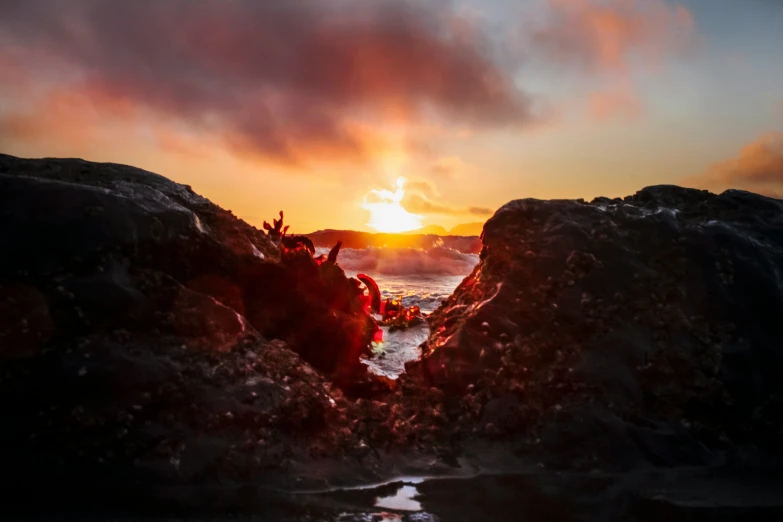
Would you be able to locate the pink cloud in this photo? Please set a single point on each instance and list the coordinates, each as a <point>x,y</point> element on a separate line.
<point>757,167</point>
<point>275,80</point>
<point>607,35</point>
<point>610,40</point>
<point>616,103</point>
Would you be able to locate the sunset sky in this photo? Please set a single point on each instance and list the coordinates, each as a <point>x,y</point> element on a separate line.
<point>317,106</point>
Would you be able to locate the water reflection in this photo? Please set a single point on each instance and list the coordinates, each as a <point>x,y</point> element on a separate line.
<point>402,500</point>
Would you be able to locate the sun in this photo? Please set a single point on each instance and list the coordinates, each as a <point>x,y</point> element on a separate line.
<point>386,213</point>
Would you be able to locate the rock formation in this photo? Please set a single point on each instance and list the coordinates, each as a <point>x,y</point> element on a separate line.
<point>153,347</point>
<point>135,328</point>
<point>619,334</point>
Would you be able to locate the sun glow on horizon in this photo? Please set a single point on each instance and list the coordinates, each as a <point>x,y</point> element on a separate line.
<point>386,213</point>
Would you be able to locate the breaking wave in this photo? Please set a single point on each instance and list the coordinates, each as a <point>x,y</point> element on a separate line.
<point>399,261</point>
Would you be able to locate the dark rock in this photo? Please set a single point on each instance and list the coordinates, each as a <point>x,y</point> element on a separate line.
<point>108,245</point>
<point>661,307</point>
<point>153,347</point>
<point>135,328</point>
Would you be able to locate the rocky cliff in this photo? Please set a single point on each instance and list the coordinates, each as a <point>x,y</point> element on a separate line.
<point>136,328</point>
<point>620,334</point>
<point>153,347</point>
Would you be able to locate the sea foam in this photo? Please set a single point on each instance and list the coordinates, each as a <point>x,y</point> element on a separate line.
<point>400,261</point>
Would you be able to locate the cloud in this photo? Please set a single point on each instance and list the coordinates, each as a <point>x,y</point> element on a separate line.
<point>284,81</point>
<point>444,169</point>
<point>302,82</point>
<point>606,35</point>
<point>420,197</point>
<point>423,187</point>
<point>758,167</point>
<point>615,103</point>
<point>11,74</point>
<point>610,41</point>
<point>480,211</point>
<point>418,204</point>
<point>63,116</point>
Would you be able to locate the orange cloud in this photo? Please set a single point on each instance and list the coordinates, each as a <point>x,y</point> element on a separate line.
<point>444,168</point>
<point>603,35</point>
<point>62,115</point>
<point>178,142</point>
<point>616,103</point>
<point>11,74</point>
<point>417,203</point>
<point>423,187</point>
<point>419,197</point>
<point>282,81</point>
<point>612,39</point>
<point>306,81</point>
<point>80,116</point>
<point>758,167</point>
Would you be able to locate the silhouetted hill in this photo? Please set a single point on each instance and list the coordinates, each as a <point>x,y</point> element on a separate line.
<point>436,230</point>
<point>358,240</point>
<point>621,333</point>
<point>467,229</point>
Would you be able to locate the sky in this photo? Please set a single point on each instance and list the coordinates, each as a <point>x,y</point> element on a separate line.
<point>319,107</point>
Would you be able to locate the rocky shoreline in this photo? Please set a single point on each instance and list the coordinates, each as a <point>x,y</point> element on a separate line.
<point>155,346</point>
<point>135,327</point>
<point>622,334</point>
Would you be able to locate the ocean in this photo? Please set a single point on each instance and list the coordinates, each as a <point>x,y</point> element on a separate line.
<point>420,277</point>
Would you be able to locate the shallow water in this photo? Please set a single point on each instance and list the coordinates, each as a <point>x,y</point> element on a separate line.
<point>687,494</point>
<point>672,495</point>
<point>402,500</point>
<point>426,291</point>
<point>419,277</point>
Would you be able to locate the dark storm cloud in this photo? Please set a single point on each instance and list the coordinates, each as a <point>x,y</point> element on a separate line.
<point>275,79</point>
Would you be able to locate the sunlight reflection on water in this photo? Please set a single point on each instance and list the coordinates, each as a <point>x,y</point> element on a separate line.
<point>397,348</point>
<point>403,500</point>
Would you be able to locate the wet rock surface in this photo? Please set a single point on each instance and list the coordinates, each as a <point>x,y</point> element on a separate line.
<point>620,334</point>
<point>158,356</point>
<point>149,338</point>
